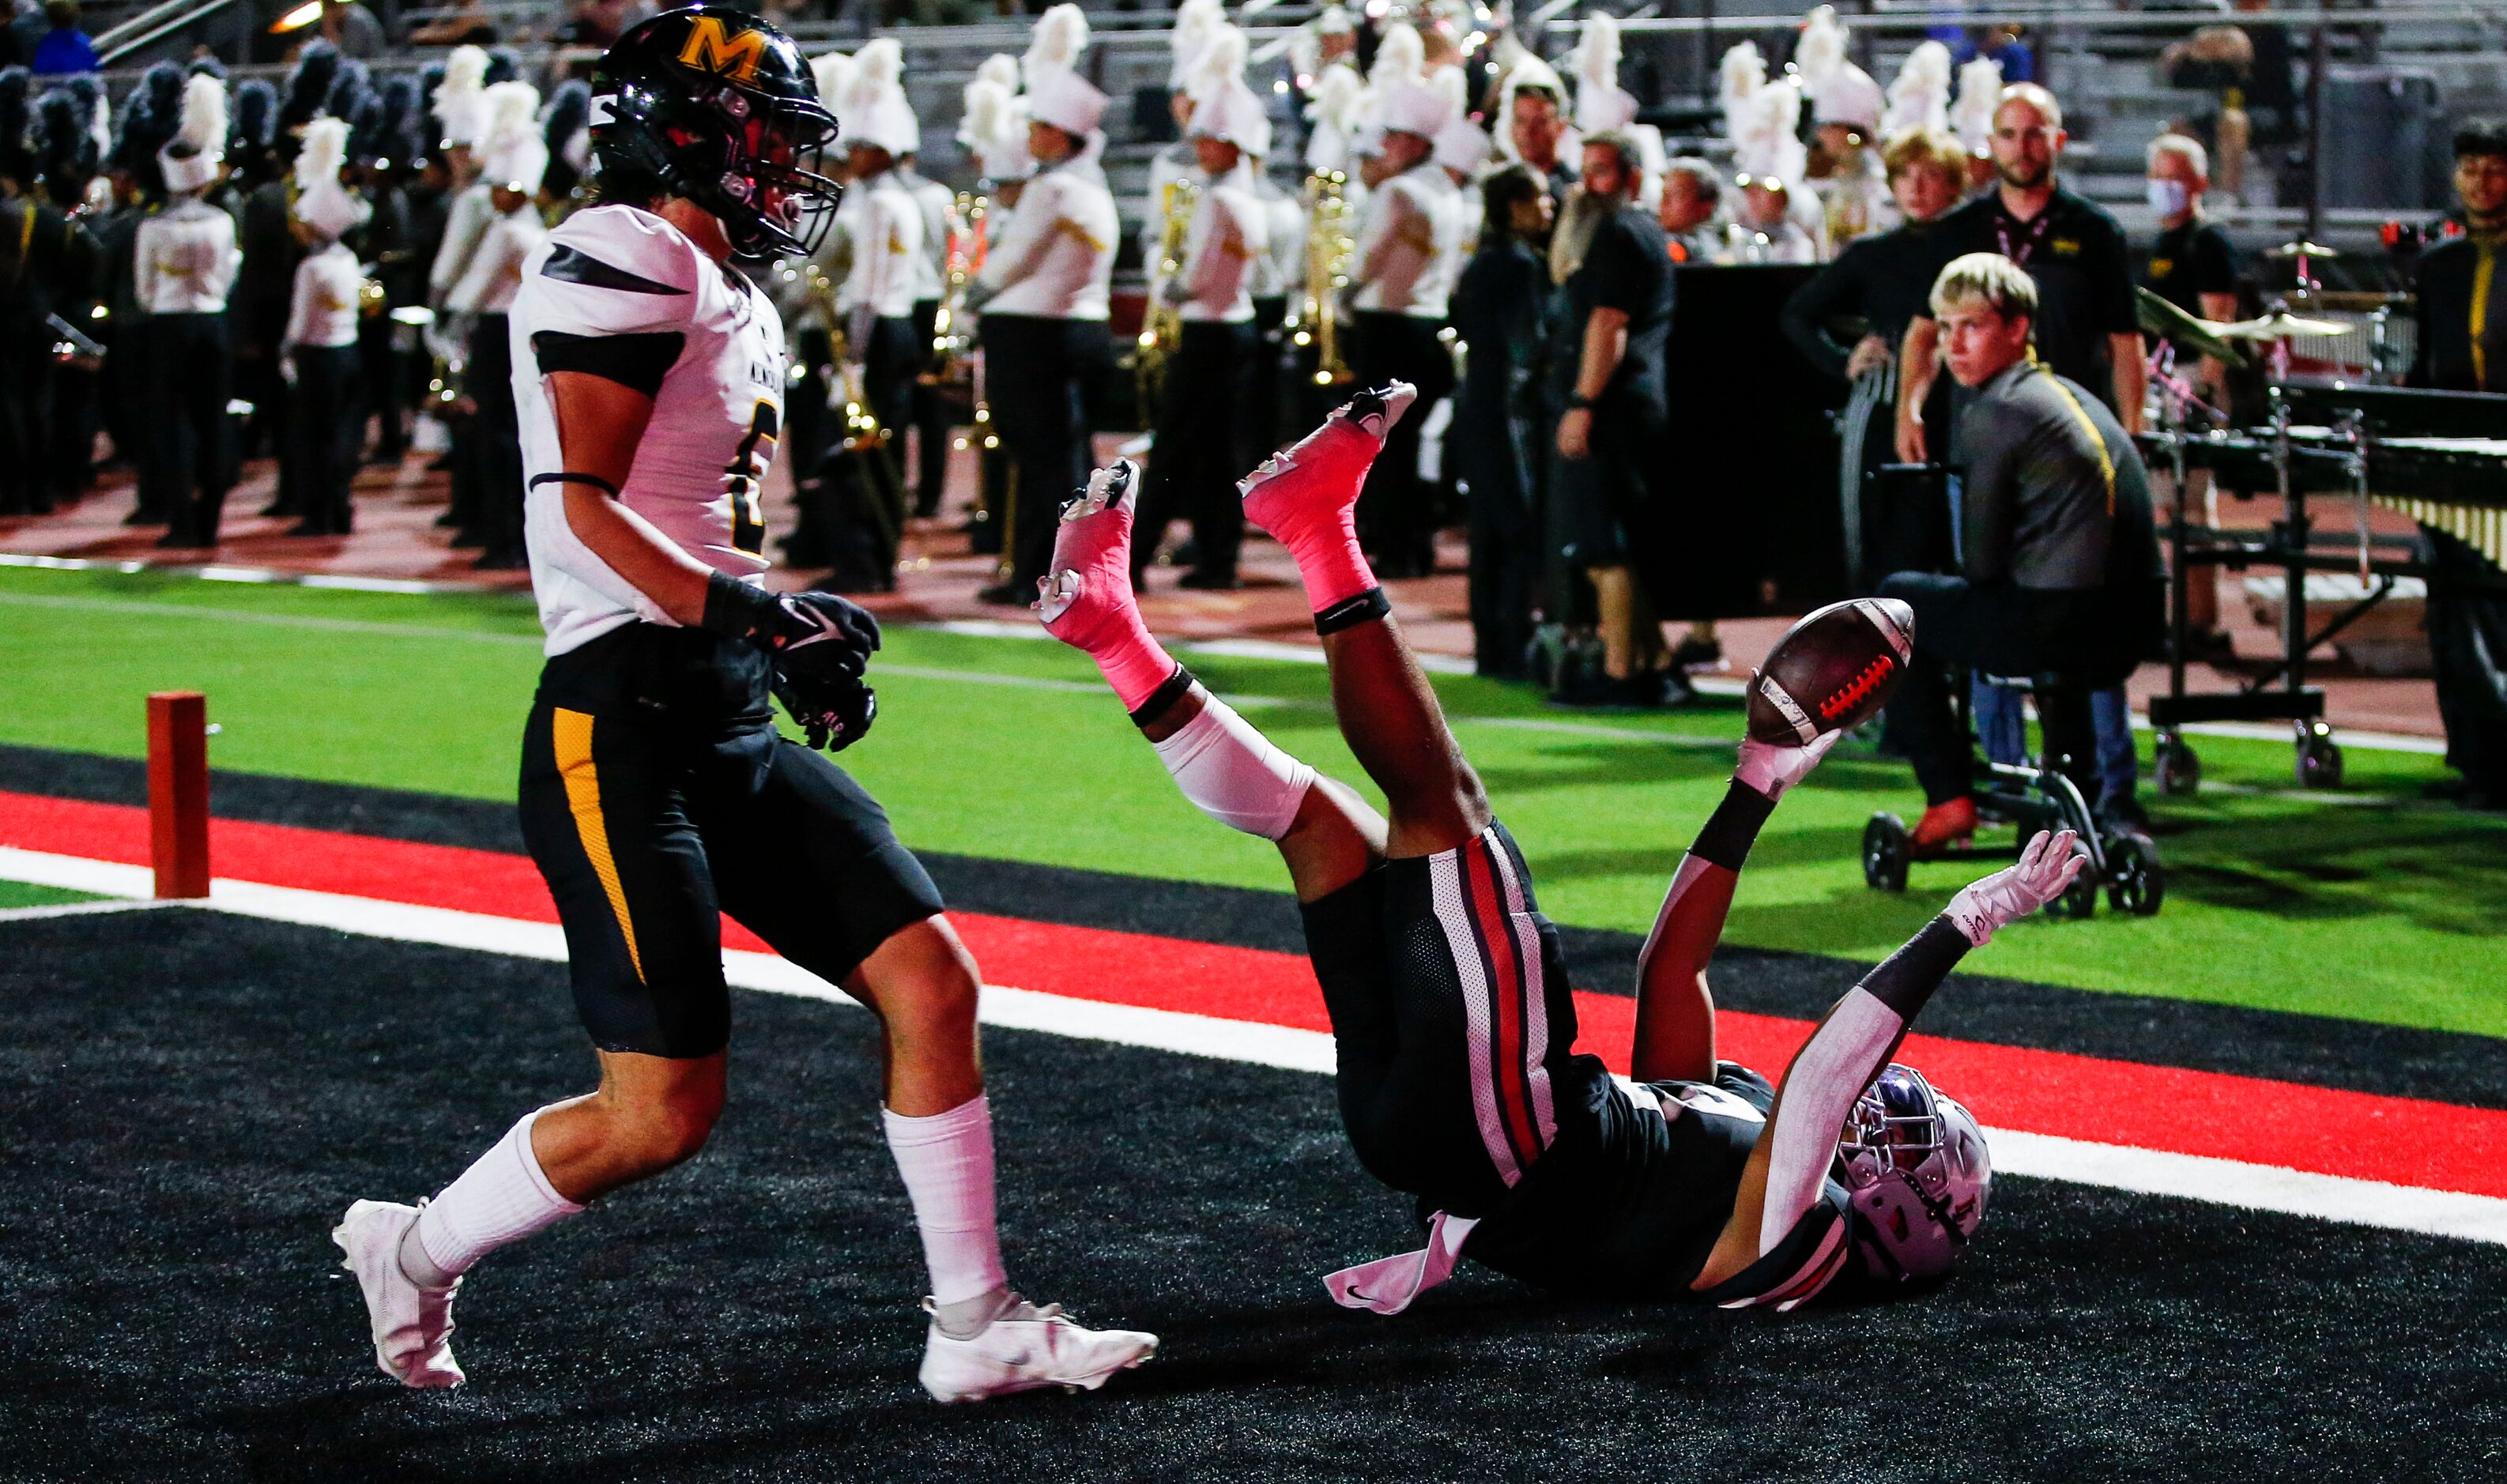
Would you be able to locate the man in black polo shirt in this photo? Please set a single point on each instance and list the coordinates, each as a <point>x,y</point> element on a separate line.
<point>1611,434</point>
<point>2089,329</point>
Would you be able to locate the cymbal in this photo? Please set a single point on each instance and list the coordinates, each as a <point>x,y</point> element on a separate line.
<point>2281,324</point>
<point>2200,336</point>
<point>2304,249</point>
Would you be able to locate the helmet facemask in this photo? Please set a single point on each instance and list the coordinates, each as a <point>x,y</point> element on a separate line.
<point>1921,1175</point>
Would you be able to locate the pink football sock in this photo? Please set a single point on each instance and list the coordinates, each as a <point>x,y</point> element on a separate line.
<point>1307,497</point>
<point>1086,600</point>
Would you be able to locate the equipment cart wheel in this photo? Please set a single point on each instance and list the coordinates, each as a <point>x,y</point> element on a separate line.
<point>2319,757</point>
<point>2136,883</point>
<point>1885,853</point>
<point>2179,768</point>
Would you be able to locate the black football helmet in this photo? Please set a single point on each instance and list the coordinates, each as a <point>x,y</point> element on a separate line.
<point>714,104</point>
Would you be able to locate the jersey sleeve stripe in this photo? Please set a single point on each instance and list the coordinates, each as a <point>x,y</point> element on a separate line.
<point>635,361</point>
<point>571,265</point>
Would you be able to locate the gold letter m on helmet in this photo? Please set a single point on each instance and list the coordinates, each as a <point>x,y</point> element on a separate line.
<point>732,56</point>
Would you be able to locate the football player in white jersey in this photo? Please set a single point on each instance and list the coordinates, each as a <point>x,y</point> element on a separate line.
<point>656,794</point>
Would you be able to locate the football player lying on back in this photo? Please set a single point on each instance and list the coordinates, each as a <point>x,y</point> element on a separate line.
<point>1452,1021</point>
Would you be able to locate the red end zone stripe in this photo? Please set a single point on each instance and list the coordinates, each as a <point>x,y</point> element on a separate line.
<point>2361,1136</point>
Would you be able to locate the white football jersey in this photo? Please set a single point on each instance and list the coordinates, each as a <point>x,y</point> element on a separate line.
<point>621,292</point>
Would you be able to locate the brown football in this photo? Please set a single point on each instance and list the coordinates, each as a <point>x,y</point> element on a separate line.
<point>1831,671</point>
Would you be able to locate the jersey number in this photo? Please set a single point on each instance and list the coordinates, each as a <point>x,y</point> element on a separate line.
<point>748,471</point>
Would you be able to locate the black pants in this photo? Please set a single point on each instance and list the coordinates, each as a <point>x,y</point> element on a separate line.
<point>1198,453</point>
<point>1491,451</point>
<point>2467,624</point>
<point>1036,372</point>
<point>327,430</point>
<point>185,384</point>
<point>656,796</point>
<point>931,421</point>
<point>387,382</point>
<point>495,444</point>
<point>1266,382</point>
<point>1397,517</point>
<point>26,416</point>
<point>2092,636</point>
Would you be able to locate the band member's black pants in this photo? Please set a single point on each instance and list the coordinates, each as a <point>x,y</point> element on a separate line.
<point>327,430</point>
<point>930,417</point>
<point>1197,456</point>
<point>1397,510</point>
<point>25,414</point>
<point>1035,370</point>
<point>184,385</point>
<point>386,383</point>
<point>496,443</point>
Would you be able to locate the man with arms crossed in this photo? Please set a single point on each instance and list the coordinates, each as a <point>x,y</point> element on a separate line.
<point>655,792</point>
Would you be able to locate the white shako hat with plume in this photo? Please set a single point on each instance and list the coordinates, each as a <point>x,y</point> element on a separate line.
<point>1601,103</point>
<point>1841,93</point>
<point>1920,95</point>
<point>1336,110</point>
<point>512,152</point>
<point>322,204</point>
<point>191,158</point>
<point>874,111</point>
<point>1224,106</point>
<point>1055,93</point>
<point>1196,21</point>
<point>1980,93</point>
<point>460,99</point>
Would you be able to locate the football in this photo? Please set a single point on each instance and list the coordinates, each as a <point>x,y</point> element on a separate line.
<point>1831,671</point>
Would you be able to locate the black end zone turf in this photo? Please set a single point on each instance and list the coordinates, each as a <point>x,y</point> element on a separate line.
<point>191,1100</point>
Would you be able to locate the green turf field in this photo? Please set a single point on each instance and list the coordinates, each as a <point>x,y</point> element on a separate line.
<point>2369,904</point>
<point>17,893</point>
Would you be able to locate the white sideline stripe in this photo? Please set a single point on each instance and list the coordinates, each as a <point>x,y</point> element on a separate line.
<point>1241,649</point>
<point>2152,1172</point>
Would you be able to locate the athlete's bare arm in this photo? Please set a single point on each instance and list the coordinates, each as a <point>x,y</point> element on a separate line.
<point>1674,1035</point>
<point>599,424</point>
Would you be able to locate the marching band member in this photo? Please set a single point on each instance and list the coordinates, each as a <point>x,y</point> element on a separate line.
<point>1196,24</point>
<point>883,228</point>
<point>938,205</point>
<point>513,160</point>
<point>461,112</point>
<point>318,359</point>
<point>1198,450</point>
<point>186,261</point>
<point>1409,255</point>
<point>1843,171</point>
<point>1042,297</point>
<point>1768,219</point>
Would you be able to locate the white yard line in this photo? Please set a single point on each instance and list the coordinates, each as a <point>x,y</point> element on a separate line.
<point>2221,1181</point>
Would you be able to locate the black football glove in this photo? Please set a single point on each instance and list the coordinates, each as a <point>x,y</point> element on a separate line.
<point>805,633</point>
<point>834,710</point>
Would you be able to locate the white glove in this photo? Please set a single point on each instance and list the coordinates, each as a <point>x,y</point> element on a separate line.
<point>2045,868</point>
<point>1772,768</point>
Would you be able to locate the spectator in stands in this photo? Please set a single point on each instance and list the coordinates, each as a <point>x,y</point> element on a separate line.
<point>597,23</point>
<point>1497,427</point>
<point>1616,426</point>
<point>2058,555</point>
<point>64,47</point>
<point>2192,266</point>
<point>353,28</point>
<point>467,27</point>
<point>2002,44</point>
<point>1691,193</point>
<point>25,32</point>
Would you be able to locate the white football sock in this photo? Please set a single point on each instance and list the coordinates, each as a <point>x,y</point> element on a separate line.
<point>1843,1055</point>
<point>1235,774</point>
<point>503,1197</point>
<point>946,1161</point>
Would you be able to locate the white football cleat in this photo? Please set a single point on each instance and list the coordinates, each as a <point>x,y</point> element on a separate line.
<point>1024,1349</point>
<point>413,1327</point>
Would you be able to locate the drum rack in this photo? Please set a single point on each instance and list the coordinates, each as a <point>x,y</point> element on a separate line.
<point>2340,458</point>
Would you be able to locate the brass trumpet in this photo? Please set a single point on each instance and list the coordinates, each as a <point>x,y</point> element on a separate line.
<point>1330,250</point>
<point>1162,325</point>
